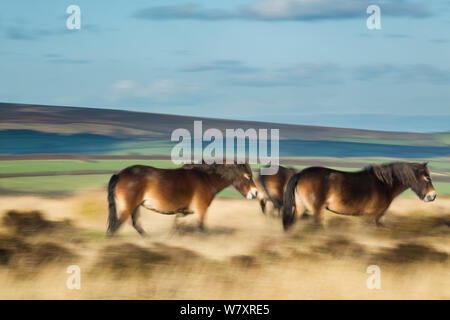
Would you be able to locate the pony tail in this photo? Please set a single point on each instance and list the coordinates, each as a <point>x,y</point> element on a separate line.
<point>112,217</point>
<point>289,208</point>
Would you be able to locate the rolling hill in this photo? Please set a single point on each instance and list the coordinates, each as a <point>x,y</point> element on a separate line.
<point>31,129</point>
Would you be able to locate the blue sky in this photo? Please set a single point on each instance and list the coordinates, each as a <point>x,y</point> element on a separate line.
<point>294,61</point>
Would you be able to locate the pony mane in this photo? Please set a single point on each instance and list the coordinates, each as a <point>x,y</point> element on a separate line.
<point>403,172</point>
<point>226,171</point>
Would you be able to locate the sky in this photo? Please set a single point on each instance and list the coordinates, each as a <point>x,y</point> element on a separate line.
<point>292,61</point>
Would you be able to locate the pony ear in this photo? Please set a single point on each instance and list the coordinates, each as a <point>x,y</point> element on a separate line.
<point>425,164</point>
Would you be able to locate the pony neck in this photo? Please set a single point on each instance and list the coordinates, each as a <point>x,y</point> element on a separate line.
<point>218,182</point>
<point>398,188</point>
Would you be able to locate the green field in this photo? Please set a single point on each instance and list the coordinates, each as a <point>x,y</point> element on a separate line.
<point>32,166</point>
<point>141,147</point>
<point>53,184</point>
<point>65,182</point>
<point>60,185</point>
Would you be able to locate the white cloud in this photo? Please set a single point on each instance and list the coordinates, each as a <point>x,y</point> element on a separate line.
<point>304,9</point>
<point>299,75</point>
<point>273,10</point>
<point>328,9</point>
<point>159,88</point>
<point>124,85</point>
<point>160,91</point>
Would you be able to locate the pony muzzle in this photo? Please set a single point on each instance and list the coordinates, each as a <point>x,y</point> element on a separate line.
<point>430,196</point>
<point>252,193</point>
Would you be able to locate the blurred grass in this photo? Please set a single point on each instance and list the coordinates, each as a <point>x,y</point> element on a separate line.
<point>442,188</point>
<point>64,184</point>
<point>141,147</point>
<point>307,263</point>
<point>229,193</point>
<point>31,166</point>
<point>67,184</point>
<point>443,138</point>
<point>53,184</point>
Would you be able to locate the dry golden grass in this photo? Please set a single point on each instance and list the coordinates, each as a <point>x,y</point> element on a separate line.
<point>242,255</point>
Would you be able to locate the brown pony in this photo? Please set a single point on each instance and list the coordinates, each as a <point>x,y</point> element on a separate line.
<point>271,187</point>
<point>189,189</point>
<point>367,192</point>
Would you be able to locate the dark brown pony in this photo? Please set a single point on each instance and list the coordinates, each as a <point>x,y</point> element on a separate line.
<point>367,192</point>
<point>189,189</point>
<point>271,187</point>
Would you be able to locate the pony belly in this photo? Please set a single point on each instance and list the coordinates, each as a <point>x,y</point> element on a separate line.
<point>347,207</point>
<point>352,209</point>
<point>345,211</point>
<point>168,208</point>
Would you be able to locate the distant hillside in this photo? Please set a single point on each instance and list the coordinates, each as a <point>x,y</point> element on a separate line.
<point>50,129</point>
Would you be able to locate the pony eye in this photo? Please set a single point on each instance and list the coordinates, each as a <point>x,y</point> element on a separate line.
<point>247,176</point>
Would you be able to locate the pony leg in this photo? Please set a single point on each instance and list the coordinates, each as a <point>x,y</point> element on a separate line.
<point>315,206</point>
<point>113,228</point>
<point>276,201</point>
<point>318,213</point>
<point>201,210</point>
<point>124,212</point>
<point>379,220</point>
<point>262,203</point>
<point>136,223</point>
<point>300,208</point>
<point>201,220</point>
<point>200,205</point>
<point>175,224</point>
